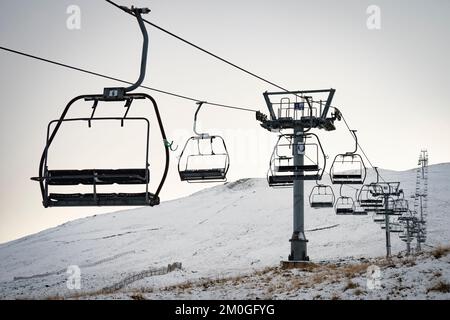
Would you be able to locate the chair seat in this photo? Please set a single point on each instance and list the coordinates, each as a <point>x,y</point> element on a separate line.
<point>99,176</point>
<point>335,181</point>
<point>347,176</point>
<point>203,174</point>
<point>296,168</point>
<point>382,212</point>
<point>371,204</point>
<point>102,199</point>
<point>281,180</point>
<point>322,204</point>
<point>344,211</point>
<point>289,179</point>
<point>372,201</point>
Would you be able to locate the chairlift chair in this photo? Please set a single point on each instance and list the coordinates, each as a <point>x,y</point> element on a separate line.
<point>49,178</point>
<point>379,219</point>
<point>358,209</point>
<point>349,167</point>
<point>344,205</point>
<point>282,169</point>
<point>302,108</point>
<point>394,228</point>
<point>321,196</point>
<point>387,189</point>
<point>204,157</point>
<point>367,200</point>
<point>401,206</point>
<point>389,209</point>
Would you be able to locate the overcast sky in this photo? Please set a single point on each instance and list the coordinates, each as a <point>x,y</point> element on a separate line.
<point>392,84</point>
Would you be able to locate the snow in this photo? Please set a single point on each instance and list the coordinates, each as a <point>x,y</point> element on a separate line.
<point>402,277</point>
<point>224,231</point>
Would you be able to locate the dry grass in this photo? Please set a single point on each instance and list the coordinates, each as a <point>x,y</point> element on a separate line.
<point>335,279</point>
<point>335,297</point>
<point>270,289</point>
<point>358,292</point>
<point>80,295</point>
<point>296,284</point>
<point>137,296</point>
<point>306,266</point>
<point>441,286</point>
<point>290,281</point>
<point>181,286</point>
<point>409,262</point>
<point>354,270</point>
<point>278,280</point>
<point>56,297</point>
<point>440,251</point>
<point>350,285</point>
<point>319,278</point>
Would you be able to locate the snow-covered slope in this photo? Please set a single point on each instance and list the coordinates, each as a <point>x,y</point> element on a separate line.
<point>225,230</point>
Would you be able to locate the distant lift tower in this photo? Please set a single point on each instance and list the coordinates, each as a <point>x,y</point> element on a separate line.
<point>298,112</point>
<point>421,198</point>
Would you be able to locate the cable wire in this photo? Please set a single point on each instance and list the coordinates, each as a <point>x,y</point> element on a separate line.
<point>359,146</point>
<point>124,9</point>
<point>225,61</point>
<point>121,80</point>
<point>157,90</point>
<point>200,48</point>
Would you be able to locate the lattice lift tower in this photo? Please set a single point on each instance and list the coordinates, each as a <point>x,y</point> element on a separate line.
<point>421,197</point>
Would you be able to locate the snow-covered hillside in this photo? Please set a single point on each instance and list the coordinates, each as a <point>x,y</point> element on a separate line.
<point>222,231</point>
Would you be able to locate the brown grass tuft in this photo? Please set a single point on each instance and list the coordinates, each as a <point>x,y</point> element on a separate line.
<point>441,286</point>
<point>358,292</point>
<point>350,285</point>
<point>335,297</point>
<point>137,296</point>
<point>440,251</point>
<point>353,270</point>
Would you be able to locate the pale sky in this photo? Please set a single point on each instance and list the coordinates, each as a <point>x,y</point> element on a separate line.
<point>392,84</point>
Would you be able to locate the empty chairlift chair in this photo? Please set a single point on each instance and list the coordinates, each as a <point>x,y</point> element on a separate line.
<point>344,206</point>
<point>401,206</point>
<point>387,209</point>
<point>321,196</point>
<point>358,210</point>
<point>282,169</point>
<point>204,157</point>
<point>387,189</point>
<point>348,168</point>
<point>367,200</point>
<point>394,227</point>
<point>302,108</point>
<point>49,178</point>
<point>97,178</point>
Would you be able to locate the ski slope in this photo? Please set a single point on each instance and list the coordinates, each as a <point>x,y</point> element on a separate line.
<point>225,230</point>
